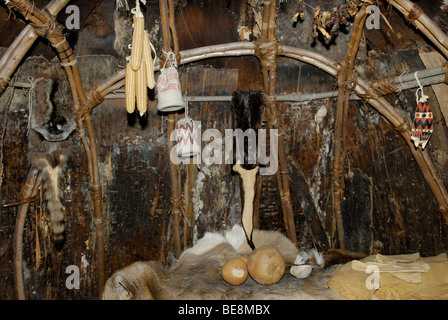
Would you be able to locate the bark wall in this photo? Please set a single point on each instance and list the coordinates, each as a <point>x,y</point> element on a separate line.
<point>387,205</point>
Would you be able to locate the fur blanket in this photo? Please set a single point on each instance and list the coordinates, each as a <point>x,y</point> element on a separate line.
<point>197,273</point>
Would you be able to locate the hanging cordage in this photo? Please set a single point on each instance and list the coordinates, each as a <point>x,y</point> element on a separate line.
<point>422,127</point>
<point>169,93</point>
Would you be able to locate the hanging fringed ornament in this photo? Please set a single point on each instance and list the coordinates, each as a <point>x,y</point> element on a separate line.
<point>169,93</point>
<point>422,127</point>
<point>187,137</point>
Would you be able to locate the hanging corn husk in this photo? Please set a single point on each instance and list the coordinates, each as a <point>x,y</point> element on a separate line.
<point>147,58</point>
<point>140,91</point>
<point>140,66</point>
<point>137,38</point>
<point>130,88</point>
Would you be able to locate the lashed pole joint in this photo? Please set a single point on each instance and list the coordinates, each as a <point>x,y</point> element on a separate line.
<point>267,52</point>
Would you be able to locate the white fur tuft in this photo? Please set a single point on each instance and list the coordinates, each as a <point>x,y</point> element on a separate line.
<point>236,237</point>
<point>302,257</point>
<point>209,241</point>
<point>307,257</point>
<point>318,257</point>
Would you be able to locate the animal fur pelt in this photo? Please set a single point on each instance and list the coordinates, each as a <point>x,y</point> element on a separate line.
<point>52,122</point>
<point>247,110</point>
<point>197,273</point>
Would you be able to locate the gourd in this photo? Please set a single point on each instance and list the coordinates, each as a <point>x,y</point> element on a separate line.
<point>235,271</point>
<point>266,265</point>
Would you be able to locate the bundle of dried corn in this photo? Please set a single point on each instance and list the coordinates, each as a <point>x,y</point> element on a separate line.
<point>140,66</point>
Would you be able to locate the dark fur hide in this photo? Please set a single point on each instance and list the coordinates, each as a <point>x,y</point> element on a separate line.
<point>247,112</point>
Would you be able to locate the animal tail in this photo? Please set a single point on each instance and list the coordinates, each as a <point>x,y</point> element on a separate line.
<point>327,258</point>
<point>51,183</point>
<point>337,256</point>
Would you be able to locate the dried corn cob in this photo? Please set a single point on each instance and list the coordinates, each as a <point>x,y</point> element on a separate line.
<point>147,57</point>
<point>137,40</point>
<point>141,93</point>
<point>130,88</point>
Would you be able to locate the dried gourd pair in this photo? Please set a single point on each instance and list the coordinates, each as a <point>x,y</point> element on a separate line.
<point>265,265</point>
<point>140,68</point>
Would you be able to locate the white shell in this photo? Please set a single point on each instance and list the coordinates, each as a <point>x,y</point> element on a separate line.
<point>301,272</point>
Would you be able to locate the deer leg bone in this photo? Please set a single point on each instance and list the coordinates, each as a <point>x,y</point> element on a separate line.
<point>249,178</point>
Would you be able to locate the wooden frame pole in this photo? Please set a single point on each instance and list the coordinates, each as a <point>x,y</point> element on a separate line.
<point>167,18</point>
<point>267,53</point>
<point>45,25</point>
<point>29,191</point>
<point>345,79</point>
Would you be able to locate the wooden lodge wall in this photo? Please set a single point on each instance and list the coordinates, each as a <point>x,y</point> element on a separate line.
<point>387,205</point>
